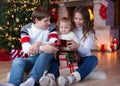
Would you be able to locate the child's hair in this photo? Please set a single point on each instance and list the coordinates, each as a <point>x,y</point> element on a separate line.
<point>87,24</point>
<point>39,13</point>
<point>65,20</point>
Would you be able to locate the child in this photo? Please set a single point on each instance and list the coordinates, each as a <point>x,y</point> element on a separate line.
<point>66,31</point>
<point>86,34</point>
<point>66,34</point>
<point>37,40</point>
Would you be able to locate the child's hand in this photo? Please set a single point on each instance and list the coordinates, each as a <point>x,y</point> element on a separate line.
<point>74,45</point>
<point>48,48</point>
<point>34,48</point>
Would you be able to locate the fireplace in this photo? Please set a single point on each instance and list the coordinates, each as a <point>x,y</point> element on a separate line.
<point>104,33</point>
<point>70,5</point>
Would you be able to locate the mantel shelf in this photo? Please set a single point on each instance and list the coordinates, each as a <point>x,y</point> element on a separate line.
<point>76,3</point>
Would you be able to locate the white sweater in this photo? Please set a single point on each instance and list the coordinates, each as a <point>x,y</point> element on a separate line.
<point>69,36</point>
<point>30,35</point>
<point>85,46</point>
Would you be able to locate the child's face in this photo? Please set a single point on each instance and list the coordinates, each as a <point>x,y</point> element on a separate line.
<point>43,24</point>
<point>65,27</point>
<point>78,19</point>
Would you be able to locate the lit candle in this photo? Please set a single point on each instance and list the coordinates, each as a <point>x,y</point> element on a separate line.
<point>108,44</point>
<point>103,47</point>
<point>109,49</point>
<point>98,47</point>
<point>115,47</point>
<point>115,41</point>
<point>112,46</point>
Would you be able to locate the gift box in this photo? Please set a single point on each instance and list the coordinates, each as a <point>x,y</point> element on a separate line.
<point>17,53</point>
<point>65,70</point>
<point>65,63</point>
<point>4,55</point>
<point>62,59</point>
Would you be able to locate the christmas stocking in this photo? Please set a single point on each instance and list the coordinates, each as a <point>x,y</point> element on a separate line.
<point>103,8</point>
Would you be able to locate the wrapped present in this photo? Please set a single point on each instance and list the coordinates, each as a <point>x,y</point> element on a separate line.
<point>66,70</point>
<point>4,55</point>
<point>18,53</point>
<point>65,62</point>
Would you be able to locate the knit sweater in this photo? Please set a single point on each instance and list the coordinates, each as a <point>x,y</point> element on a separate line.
<point>85,45</point>
<point>29,35</point>
<point>69,36</point>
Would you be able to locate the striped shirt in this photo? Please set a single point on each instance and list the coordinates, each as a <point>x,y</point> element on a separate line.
<point>29,35</point>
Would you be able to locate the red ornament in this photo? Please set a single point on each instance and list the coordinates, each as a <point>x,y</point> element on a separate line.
<point>54,12</point>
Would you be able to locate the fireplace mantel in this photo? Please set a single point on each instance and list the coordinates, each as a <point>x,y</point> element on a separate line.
<point>78,3</point>
<point>74,3</point>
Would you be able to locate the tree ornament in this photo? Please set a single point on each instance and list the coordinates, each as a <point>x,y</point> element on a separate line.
<point>9,44</point>
<point>54,12</point>
<point>8,23</point>
<point>17,20</point>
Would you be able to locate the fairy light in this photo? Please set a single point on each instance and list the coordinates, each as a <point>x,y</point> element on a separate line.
<point>1,28</point>
<point>14,19</point>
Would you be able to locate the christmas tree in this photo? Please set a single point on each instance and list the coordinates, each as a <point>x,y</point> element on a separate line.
<point>14,16</point>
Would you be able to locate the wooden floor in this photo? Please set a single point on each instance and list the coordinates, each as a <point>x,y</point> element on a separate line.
<point>4,70</point>
<point>108,62</point>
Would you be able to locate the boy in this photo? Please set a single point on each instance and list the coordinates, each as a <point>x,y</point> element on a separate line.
<point>36,37</point>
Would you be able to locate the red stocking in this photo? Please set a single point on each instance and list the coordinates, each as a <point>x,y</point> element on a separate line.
<point>103,9</point>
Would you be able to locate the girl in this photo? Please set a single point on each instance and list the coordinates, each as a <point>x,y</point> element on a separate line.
<point>85,34</point>
<point>66,30</point>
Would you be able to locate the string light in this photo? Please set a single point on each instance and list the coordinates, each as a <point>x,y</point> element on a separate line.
<point>1,28</point>
<point>16,14</point>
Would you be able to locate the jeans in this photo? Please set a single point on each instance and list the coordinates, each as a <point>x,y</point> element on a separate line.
<point>54,69</point>
<point>87,64</point>
<point>36,63</point>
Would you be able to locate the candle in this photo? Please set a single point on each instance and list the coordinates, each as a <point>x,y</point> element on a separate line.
<point>115,47</point>
<point>98,47</point>
<point>112,46</point>
<point>108,44</point>
<point>103,47</point>
<point>109,49</point>
<point>115,41</point>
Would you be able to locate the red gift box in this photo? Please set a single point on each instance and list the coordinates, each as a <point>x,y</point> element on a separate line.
<point>4,55</point>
